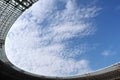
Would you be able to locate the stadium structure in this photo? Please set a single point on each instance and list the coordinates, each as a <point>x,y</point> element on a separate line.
<point>10,10</point>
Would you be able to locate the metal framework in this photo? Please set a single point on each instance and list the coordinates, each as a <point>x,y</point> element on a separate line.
<point>10,10</point>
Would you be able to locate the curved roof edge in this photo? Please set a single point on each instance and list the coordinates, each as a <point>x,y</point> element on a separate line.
<point>6,66</point>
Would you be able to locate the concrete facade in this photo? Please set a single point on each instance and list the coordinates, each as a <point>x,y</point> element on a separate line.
<point>10,10</point>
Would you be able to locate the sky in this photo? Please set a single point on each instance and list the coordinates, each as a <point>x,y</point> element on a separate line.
<point>66,37</point>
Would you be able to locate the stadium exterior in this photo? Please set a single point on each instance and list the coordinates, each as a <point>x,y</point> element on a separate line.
<point>10,10</point>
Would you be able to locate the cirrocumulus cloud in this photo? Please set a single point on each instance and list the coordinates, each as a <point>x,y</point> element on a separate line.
<point>38,42</point>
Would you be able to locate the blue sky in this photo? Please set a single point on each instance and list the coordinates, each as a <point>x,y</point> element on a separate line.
<point>66,37</point>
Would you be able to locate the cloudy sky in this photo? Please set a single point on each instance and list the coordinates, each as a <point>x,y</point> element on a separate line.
<point>66,37</point>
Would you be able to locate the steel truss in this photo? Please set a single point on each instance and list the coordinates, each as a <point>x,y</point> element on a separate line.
<point>10,10</point>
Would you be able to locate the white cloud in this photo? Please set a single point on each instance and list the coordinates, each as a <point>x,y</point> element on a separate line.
<point>37,42</point>
<point>108,52</point>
